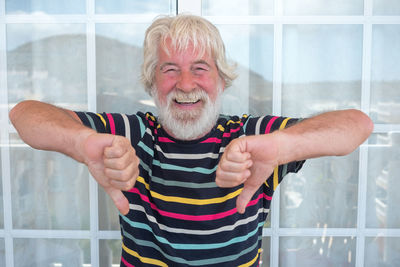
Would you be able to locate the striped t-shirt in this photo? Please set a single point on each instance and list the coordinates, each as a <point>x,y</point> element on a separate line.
<point>178,215</point>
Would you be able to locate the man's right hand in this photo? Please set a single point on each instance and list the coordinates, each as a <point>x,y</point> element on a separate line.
<point>112,161</point>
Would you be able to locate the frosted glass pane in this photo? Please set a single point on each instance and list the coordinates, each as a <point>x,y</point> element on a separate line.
<point>2,253</point>
<point>48,189</point>
<point>45,6</point>
<point>322,68</point>
<point>237,8</point>
<point>322,195</point>
<point>251,47</point>
<point>386,7</point>
<point>266,252</point>
<point>155,7</point>
<point>323,7</point>
<point>110,252</point>
<point>1,196</point>
<point>317,251</point>
<point>47,62</point>
<point>383,181</point>
<point>51,252</point>
<point>385,74</point>
<point>118,63</point>
<point>382,251</point>
<point>108,213</point>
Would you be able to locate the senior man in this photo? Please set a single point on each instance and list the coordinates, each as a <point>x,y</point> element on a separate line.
<point>193,187</point>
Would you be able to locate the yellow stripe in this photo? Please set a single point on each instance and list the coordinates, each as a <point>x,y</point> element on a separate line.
<point>192,201</point>
<point>102,119</point>
<point>221,128</point>
<point>252,261</point>
<point>231,121</point>
<point>283,124</point>
<point>143,259</point>
<point>275,180</point>
<point>151,117</point>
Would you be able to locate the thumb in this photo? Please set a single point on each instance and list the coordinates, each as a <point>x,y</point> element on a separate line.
<point>245,196</point>
<point>119,199</point>
<point>95,144</point>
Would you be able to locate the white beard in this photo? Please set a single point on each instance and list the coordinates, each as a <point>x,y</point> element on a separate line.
<point>188,124</point>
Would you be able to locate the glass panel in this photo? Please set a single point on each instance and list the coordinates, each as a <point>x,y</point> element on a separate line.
<point>45,6</point>
<point>251,47</point>
<point>317,251</point>
<point>318,7</point>
<point>51,252</point>
<point>382,251</point>
<point>2,253</point>
<point>386,7</point>
<point>108,213</point>
<point>266,252</point>
<point>110,253</point>
<point>323,194</point>
<point>47,62</point>
<point>383,181</point>
<point>237,8</point>
<point>154,7</point>
<point>385,74</point>
<point>322,67</point>
<point>1,194</point>
<point>119,59</point>
<point>48,189</point>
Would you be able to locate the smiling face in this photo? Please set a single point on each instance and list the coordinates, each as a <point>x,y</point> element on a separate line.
<point>187,90</point>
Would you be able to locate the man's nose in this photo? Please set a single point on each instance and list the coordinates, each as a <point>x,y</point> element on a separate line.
<point>186,81</point>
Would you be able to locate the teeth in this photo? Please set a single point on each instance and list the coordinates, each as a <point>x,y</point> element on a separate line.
<point>186,101</point>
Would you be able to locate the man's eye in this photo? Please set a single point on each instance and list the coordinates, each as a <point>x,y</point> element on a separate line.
<point>169,70</point>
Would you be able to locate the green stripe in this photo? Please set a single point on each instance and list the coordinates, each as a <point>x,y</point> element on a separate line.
<point>92,125</point>
<point>182,184</point>
<point>147,149</point>
<point>141,125</point>
<point>172,167</point>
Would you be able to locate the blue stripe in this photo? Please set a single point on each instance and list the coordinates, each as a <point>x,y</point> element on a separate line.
<point>193,246</point>
<point>172,167</point>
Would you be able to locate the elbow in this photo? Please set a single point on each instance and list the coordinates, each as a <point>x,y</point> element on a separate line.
<point>362,129</point>
<point>364,122</point>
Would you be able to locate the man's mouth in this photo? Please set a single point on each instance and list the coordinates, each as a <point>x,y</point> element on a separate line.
<point>186,101</point>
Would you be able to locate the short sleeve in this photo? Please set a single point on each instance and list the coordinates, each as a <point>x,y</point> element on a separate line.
<point>266,125</point>
<point>129,126</point>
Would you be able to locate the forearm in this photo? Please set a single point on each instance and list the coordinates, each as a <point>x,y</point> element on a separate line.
<point>47,127</point>
<point>335,133</point>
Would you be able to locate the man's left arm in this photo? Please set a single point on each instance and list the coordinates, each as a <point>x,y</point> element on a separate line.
<point>250,160</point>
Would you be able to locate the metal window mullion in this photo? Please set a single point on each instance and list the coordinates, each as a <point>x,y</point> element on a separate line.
<point>4,140</point>
<point>92,106</point>
<point>276,110</point>
<point>363,150</point>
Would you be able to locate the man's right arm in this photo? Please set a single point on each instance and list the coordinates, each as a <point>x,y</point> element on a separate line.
<point>47,127</point>
<point>111,159</point>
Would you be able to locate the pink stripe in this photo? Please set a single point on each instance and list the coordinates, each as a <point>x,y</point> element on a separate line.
<point>212,140</point>
<point>269,125</point>
<point>165,140</point>
<point>196,217</point>
<point>151,123</point>
<point>126,263</point>
<point>112,124</point>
